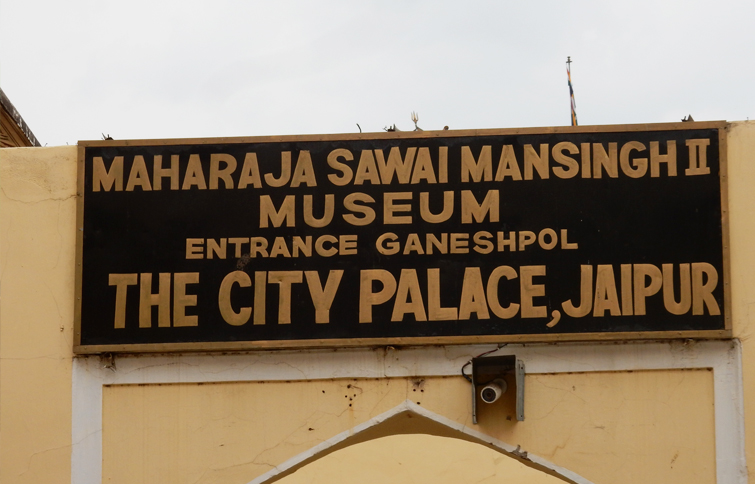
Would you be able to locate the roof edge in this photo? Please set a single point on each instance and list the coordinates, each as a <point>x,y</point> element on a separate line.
<point>8,106</point>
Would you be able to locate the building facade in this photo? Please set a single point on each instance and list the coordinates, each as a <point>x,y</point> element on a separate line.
<point>638,409</point>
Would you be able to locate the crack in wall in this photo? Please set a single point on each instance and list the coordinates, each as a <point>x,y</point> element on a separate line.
<point>41,200</point>
<point>41,452</point>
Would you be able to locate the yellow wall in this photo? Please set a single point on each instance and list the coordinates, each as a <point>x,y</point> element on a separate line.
<point>741,144</point>
<point>37,237</point>
<point>618,427</point>
<point>418,459</point>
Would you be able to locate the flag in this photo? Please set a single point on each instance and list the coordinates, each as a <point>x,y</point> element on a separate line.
<point>571,93</point>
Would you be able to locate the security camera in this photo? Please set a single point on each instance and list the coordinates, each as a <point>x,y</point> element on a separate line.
<point>493,390</point>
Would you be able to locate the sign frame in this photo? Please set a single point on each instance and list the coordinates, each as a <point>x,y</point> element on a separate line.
<point>726,332</point>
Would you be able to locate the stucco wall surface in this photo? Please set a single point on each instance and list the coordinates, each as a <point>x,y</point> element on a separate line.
<point>612,427</point>
<point>609,426</point>
<point>37,240</point>
<point>418,459</point>
<point>741,155</point>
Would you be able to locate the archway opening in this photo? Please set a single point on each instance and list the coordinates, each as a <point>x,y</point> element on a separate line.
<point>418,459</point>
<point>412,425</point>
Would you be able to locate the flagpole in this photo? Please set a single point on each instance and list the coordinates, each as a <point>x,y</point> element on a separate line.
<point>571,93</point>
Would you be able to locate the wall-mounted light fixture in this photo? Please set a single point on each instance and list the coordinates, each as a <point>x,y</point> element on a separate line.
<point>497,377</point>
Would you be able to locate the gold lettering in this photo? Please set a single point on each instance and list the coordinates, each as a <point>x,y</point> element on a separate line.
<point>480,169</point>
<point>640,166</point>
<point>443,164</point>
<point>526,238</point>
<point>250,172</point>
<point>387,248</point>
<point>367,169</point>
<point>432,241</point>
<point>586,166</point>
<point>504,242</point>
<point>350,203</point>
<point>304,245</point>
<point>549,233</point>
<point>482,243</point>
<point>194,249</point>
<point>413,245</point>
<point>507,165</point>
<point>260,293</point>
<point>408,288</point>
<point>669,158</point>
<point>121,283</point>
<point>529,290</point>
<point>565,244</point>
<point>390,208</point>
<point>333,161</point>
<point>698,159</point>
<point>158,172</point>
<point>428,216</point>
<point>492,291</point>
<point>585,295</point>
<point>139,176</point>
<point>279,248</point>
<point>641,291</point>
<point>702,291</point>
<point>285,175</point>
<point>161,300</point>
<point>473,295</point>
<point>472,212</point>
<point>194,174</point>
<point>402,167</point>
<point>181,300</point>
<point>533,160</point>
<point>347,245</point>
<point>460,243</point>
<point>214,248</point>
<point>106,179</point>
<point>320,246</point>
<point>224,298</point>
<point>257,245</point>
<point>284,279</point>
<point>322,298</point>
<point>608,161</point>
<point>435,310</point>
<point>572,167</point>
<point>304,172</point>
<point>269,212</point>
<point>606,296</point>
<point>236,243</point>
<point>423,167</point>
<point>225,174</point>
<point>685,291</point>
<point>368,298</point>
<point>626,290</point>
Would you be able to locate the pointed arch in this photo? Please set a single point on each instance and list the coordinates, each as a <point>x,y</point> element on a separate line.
<point>410,418</point>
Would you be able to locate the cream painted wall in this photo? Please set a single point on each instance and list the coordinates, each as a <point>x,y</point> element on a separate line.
<point>418,459</point>
<point>610,427</point>
<point>741,153</point>
<point>617,428</point>
<point>37,239</point>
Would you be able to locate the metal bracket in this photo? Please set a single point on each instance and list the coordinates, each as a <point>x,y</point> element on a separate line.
<point>485,370</point>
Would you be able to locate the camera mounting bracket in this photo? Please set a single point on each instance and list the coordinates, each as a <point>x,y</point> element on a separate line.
<point>486,369</point>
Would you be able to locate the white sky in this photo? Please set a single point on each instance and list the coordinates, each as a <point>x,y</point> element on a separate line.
<point>176,69</point>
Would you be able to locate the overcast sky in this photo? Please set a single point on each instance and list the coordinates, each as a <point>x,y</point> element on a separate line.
<point>142,69</point>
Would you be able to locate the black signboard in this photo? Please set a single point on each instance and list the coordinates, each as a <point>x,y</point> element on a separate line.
<point>403,238</point>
